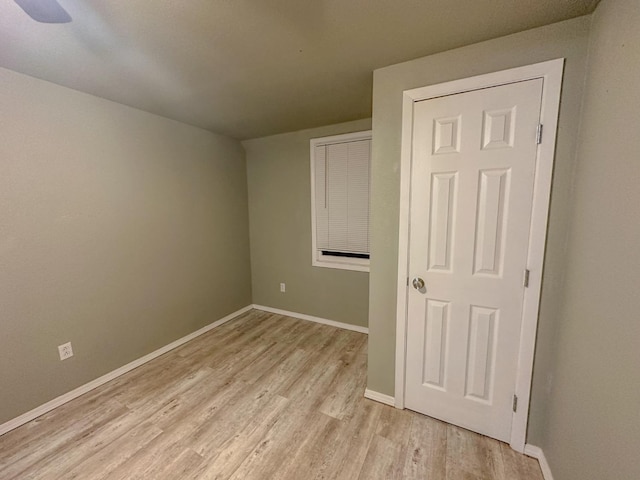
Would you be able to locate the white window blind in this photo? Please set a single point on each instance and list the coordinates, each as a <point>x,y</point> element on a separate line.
<point>341,202</point>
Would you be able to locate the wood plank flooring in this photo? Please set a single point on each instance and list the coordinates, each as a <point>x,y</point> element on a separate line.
<point>261,397</point>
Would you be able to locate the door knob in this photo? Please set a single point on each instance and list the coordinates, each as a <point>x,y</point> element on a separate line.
<point>418,283</point>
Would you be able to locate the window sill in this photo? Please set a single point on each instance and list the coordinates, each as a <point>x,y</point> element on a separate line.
<point>342,263</point>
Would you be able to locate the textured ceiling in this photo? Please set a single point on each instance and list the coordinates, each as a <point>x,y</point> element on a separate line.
<point>248,68</point>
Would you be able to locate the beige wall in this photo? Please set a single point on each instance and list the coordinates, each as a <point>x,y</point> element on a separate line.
<point>566,39</point>
<point>280,223</point>
<point>593,430</point>
<point>120,231</point>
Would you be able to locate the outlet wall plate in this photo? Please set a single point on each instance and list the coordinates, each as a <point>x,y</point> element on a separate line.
<point>65,351</point>
<point>283,288</point>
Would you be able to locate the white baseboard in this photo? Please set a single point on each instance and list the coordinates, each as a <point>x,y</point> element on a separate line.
<point>303,316</point>
<point>67,397</point>
<point>380,397</point>
<point>537,453</point>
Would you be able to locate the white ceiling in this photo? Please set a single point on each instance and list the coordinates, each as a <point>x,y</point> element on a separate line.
<point>249,68</point>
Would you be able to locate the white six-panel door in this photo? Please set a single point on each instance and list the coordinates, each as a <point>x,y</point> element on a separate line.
<point>472,178</point>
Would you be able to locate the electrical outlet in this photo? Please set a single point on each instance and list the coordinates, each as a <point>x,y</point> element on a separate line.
<point>65,351</point>
<point>283,288</point>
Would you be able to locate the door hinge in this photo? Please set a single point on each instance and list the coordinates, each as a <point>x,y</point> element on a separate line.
<point>526,278</point>
<point>539,134</point>
<point>515,403</point>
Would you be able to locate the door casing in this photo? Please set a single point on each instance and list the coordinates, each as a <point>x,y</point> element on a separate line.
<point>551,73</point>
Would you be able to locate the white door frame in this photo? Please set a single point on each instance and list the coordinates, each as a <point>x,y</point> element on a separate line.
<point>551,73</point>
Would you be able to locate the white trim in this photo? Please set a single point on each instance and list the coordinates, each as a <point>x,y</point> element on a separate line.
<point>551,73</point>
<point>538,454</point>
<point>67,397</point>
<point>303,316</point>
<point>342,138</point>
<point>380,397</point>
<point>403,248</point>
<point>326,261</point>
<point>342,263</point>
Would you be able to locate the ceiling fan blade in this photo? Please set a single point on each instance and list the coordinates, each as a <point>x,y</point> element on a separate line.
<point>44,11</point>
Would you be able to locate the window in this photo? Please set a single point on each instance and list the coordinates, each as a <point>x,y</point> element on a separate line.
<point>340,201</point>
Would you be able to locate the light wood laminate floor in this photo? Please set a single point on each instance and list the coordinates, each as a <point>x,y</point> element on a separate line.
<point>261,397</point>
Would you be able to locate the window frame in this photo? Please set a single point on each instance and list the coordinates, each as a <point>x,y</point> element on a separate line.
<point>318,259</point>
